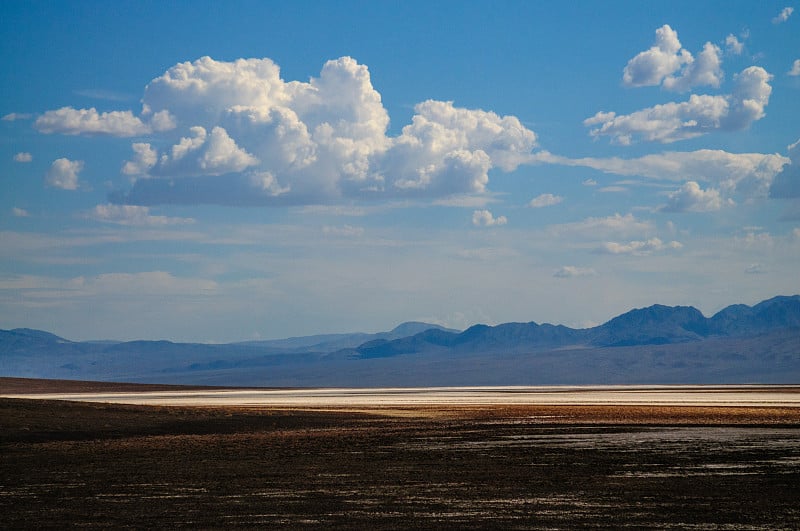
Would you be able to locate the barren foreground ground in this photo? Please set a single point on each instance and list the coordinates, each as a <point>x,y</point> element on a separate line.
<point>66,464</point>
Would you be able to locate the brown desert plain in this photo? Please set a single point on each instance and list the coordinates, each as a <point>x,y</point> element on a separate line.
<point>67,463</point>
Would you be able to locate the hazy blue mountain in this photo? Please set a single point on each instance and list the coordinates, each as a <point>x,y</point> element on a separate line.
<point>656,324</point>
<point>657,344</point>
<point>739,319</point>
<point>653,325</point>
<point>332,342</point>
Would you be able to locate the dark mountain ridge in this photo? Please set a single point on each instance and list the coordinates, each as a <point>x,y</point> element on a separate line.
<point>656,344</point>
<point>653,325</point>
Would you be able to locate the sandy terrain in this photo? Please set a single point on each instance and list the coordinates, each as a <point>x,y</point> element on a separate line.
<point>705,396</point>
<point>399,465</point>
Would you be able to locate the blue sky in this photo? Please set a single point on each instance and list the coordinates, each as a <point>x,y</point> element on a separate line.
<point>212,171</point>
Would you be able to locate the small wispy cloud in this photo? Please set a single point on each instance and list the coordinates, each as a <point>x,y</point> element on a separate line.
<point>755,269</point>
<point>133,215</point>
<point>638,247</point>
<point>108,95</point>
<point>347,231</point>
<point>484,218</point>
<point>23,156</point>
<point>573,271</point>
<point>545,200</point>
<point>14,116</point>
<point>783,16</point>
<point>465,201</point>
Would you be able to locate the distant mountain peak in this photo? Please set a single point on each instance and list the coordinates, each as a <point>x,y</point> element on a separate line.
<point>40,335</point>
<point>657,344</point>
<point>410,328</point>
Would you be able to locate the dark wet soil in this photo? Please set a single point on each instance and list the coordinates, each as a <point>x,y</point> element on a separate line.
<point>109,466</point>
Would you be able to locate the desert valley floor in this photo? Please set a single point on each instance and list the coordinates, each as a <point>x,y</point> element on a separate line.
<point>710,458</point>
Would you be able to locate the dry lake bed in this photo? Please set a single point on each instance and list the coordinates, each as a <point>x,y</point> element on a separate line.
<point>120,456</point>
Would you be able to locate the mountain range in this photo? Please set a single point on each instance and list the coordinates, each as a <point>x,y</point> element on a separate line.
<point>654,345</point>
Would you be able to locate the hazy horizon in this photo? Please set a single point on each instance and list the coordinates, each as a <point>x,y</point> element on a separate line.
<point>201,174</point>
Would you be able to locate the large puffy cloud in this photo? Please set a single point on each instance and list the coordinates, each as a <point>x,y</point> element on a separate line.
<point>69,121</point>
<point>705,70</point>
<point>750,95</point>
<point>691,198</point>
<point>662,123</point>
<point>657,65</point>
<point>63,173</point>
<point>448,150</point>
<point>697,116</point>
<point>201,92</point>
<point>249,136</point>
<point>203,153</point>
<point>748,173</point>
<point>650,67</point>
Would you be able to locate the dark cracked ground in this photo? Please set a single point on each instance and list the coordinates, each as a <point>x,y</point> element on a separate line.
<point>68,464</point>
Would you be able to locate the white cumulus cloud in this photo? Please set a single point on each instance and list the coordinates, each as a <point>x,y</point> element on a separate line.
<point>699,115</point>
<point>704,70</point>
<point>202,153</point>
<point>484,218</point>
<point>749,173</point>
<point>691,198</point>
<point>296,142</point>
<point>657,65</point>
<point>639,247</point>
<point>545,200</point>
<point>23,156</point>
<point>144,158</point>
<point>733,45</point>
<point>650,67</point>
<point>70,121</point>
<point>795,70</point>
<point>63,173</point>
